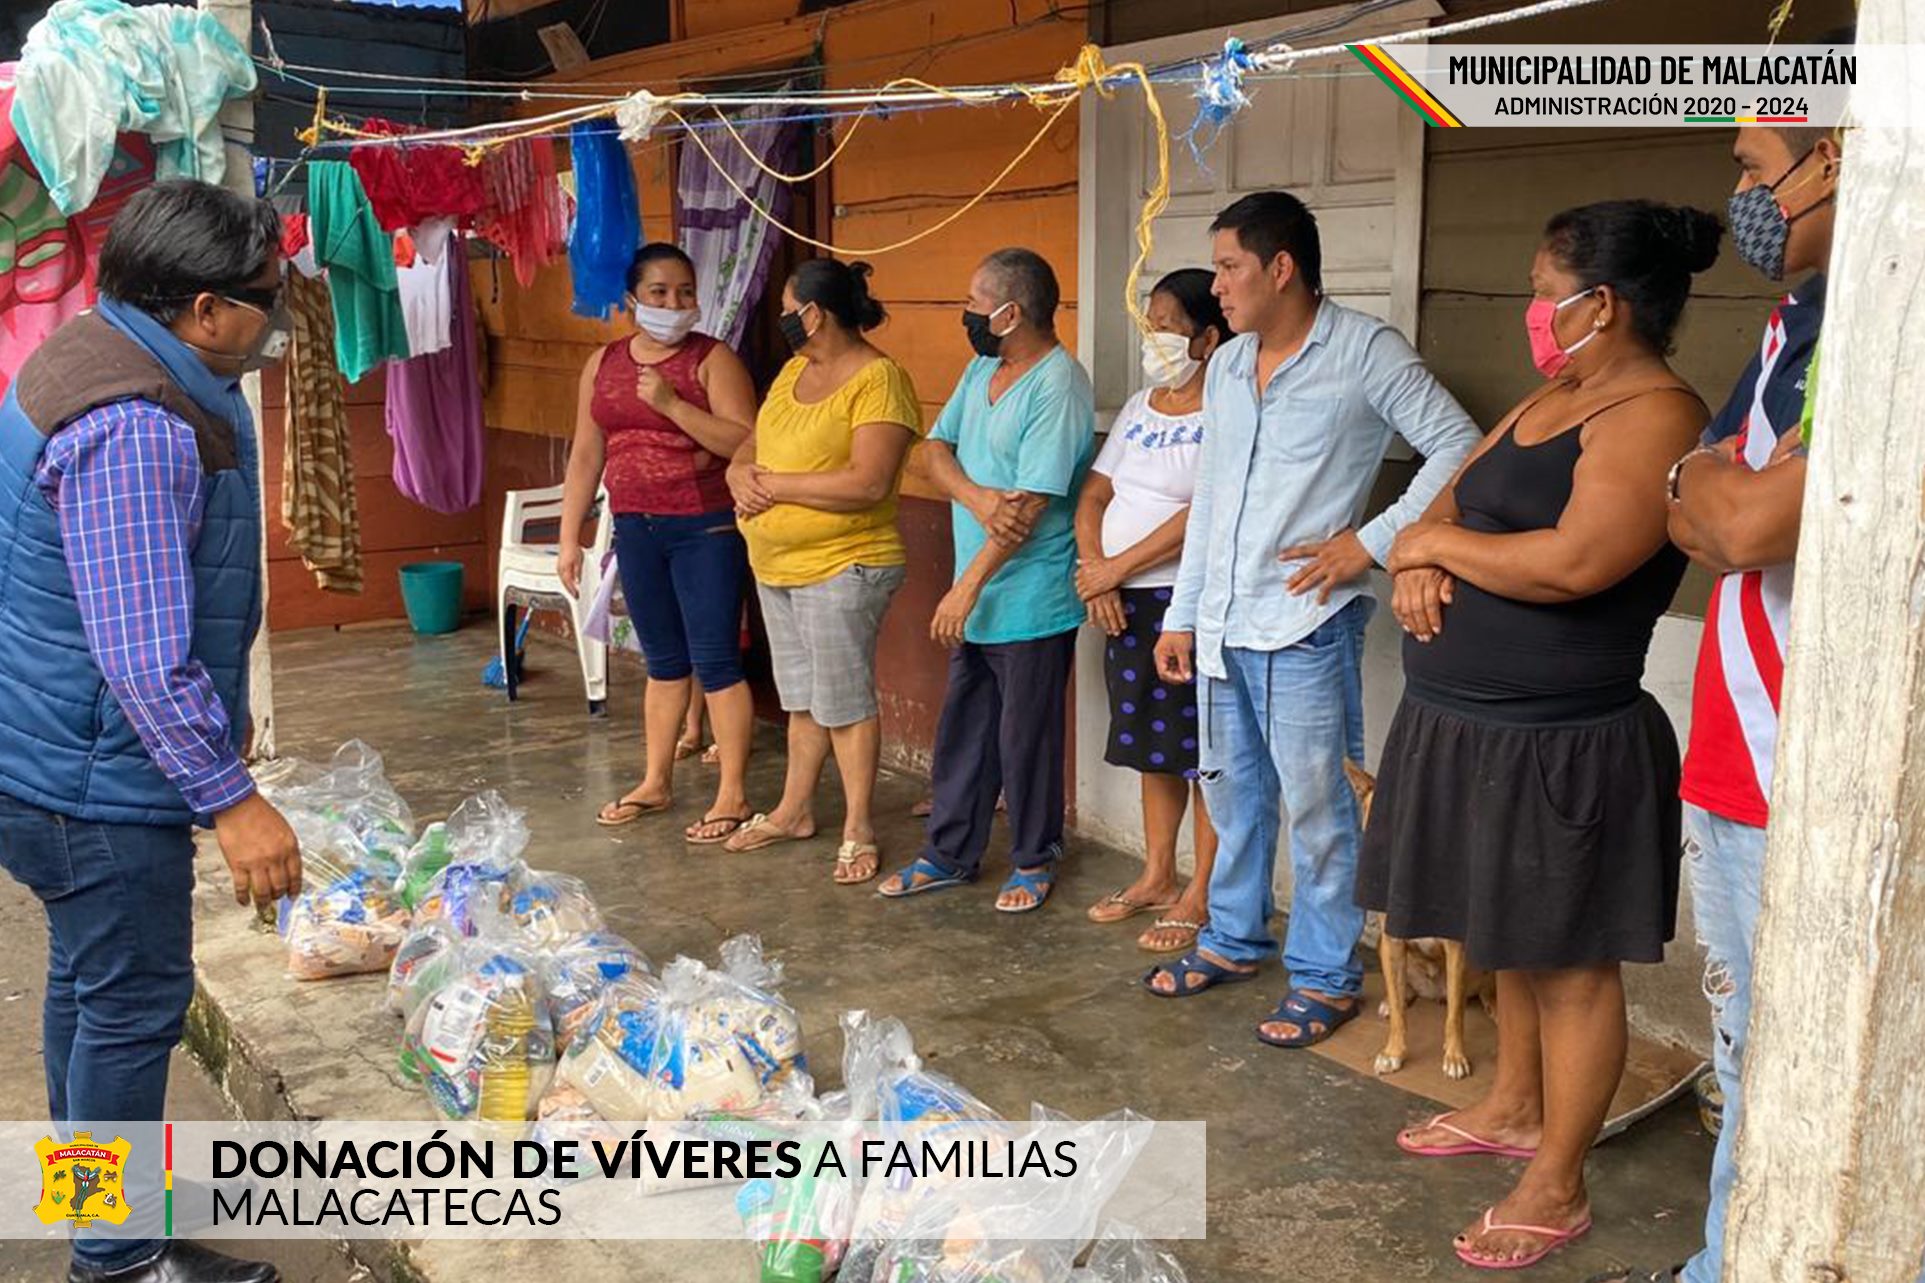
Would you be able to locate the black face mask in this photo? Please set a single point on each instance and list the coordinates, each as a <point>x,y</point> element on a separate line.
<point>794,333</point>
<point>982,338</point>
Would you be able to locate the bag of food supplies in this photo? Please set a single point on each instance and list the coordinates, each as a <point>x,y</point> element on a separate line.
<point>482,1042</point>
<point>725,1037</point>
<point>550,907</point>
<point>354,793</point>
<point>346,920</point>
<point>578,970</point>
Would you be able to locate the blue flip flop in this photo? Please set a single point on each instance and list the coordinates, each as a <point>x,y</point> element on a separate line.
<point>904,879</point>
<point>1039,880</point>
<point>1191,964</point>
<point>1300,1009</point>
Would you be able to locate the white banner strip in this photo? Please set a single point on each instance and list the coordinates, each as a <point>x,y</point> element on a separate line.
<point>956,1180</point>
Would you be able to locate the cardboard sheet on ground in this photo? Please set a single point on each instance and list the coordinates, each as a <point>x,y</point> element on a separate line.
<point>1654,1074</point>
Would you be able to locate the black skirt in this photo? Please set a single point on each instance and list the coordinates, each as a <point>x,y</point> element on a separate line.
<point>1153,724</point>
<point>1539,847</point>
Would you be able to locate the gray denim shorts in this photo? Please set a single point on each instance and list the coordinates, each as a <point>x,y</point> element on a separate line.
<point>822,638</point>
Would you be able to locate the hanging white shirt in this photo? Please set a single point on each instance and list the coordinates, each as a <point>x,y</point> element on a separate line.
<point>424,288</point>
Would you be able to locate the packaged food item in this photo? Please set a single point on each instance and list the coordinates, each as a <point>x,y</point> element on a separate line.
<point>609,1055</point>
<point>550,907</point>
<point>578,970</point>
<point>800,1225</point>
<point>744,1003</point>
<point>428,856</point>
<point>423,963</point>
<point>482,1043</point>
<point>466,891</point>
<point>348,925</point>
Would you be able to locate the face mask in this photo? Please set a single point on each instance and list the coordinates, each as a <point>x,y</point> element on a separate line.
<point>1540,322</point>
<point>794,332</point>
<point>269,348</point>
<point>1167,362</point>
<point>669,325</point>
<point>1759,228</point>
<point>982,337</point>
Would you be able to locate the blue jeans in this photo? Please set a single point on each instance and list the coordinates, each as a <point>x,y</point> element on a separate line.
<point>683,579</point>
<point>1726,860</point>
<point>1277,730</point>
<point>120,971</point>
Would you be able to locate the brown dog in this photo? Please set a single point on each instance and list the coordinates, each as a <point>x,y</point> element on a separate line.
<point>1430,969</point>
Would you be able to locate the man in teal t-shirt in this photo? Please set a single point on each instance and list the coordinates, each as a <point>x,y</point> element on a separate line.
<point>1009,450</point>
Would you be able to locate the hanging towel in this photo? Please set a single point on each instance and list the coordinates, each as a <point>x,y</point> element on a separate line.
<point>608,224</point>
<point>318,502</point>
<point>93,68</point>
<point>434,409</point>
<point>359,258</point>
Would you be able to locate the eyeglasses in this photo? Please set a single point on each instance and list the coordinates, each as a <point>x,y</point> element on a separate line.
<point>259,297</point>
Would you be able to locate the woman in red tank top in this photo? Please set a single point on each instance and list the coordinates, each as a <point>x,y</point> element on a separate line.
<point>659,415</point>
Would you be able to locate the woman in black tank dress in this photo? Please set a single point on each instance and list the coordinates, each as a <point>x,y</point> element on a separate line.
<point>1528,798</point>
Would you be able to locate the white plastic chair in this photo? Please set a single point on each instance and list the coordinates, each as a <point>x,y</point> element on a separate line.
<point>529,574</point>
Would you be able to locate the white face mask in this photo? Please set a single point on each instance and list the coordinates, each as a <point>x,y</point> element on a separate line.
<point>666,324</point>
<point>1167,362</point>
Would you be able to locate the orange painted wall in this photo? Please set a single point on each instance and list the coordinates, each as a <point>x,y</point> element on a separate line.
<point>899,175</point>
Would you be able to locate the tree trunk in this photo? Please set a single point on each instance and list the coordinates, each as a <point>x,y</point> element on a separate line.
<point>1831,1160</point>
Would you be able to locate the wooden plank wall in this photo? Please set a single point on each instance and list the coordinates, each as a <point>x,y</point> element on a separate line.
<point>394,530</point>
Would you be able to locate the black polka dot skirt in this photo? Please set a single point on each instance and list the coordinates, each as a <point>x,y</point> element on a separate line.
<point>1153,723</point>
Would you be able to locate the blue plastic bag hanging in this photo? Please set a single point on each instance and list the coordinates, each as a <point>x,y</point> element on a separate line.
<point>608,222</point>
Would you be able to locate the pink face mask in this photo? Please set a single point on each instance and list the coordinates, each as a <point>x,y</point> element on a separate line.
<point>1540,321</point>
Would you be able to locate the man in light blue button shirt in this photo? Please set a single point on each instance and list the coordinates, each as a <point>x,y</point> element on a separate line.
<point>1273,594</point>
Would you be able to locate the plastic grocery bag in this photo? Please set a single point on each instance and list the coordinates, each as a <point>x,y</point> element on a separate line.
<point>696,1064</point>
<point>800,1225</point>
<point>347,920</point>
<point>352,792</point>
<point>550,907</point>
<point>745,1003</point>
<point>578,970</point>
<point>428,856</point>
<point>482,1043</point>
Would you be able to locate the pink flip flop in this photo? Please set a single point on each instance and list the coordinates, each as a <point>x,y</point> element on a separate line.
<point>1554,1239</point>
<point>1471,1144</point>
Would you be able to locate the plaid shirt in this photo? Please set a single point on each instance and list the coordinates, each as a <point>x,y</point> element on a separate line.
<point>127,484</point>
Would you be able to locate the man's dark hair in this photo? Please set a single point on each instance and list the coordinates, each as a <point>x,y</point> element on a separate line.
<point>1027,278</point>
<point>1271,223</point>
<point>656,252</point>
<point>1802,138</point>
<point>182,238</point>
<point>1646,251</point>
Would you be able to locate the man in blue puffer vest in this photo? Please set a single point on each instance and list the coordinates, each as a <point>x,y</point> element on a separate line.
<point>130,593</point>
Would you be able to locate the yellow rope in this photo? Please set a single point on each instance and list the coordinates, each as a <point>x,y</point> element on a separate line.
<point>312,134</point>
<point>873,106</point>
<point>1090,72</point>
<point>869,251</point>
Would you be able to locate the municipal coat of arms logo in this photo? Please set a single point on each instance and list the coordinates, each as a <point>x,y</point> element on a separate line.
<point>82,1180</point>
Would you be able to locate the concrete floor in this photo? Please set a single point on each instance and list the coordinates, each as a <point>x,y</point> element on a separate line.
<point>1305,1182</point>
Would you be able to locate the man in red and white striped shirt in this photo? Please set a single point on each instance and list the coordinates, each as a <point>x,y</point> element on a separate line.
<point>1735,505</point>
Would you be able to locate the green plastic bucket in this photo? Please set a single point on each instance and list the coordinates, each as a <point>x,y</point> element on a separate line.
<point>431,590</point>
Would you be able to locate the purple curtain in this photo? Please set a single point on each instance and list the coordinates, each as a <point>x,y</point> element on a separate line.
<point>731,244</point>
<point>434,409</point>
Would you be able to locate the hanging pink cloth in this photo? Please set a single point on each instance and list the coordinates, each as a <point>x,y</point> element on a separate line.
<point>434,409</point>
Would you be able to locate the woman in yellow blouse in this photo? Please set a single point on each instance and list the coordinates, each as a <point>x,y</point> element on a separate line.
<point>815,490</point>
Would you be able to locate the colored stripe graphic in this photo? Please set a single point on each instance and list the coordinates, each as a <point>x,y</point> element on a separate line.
<point>1746,120</point>
<point>1406,86</point>
<point>167,1178</point>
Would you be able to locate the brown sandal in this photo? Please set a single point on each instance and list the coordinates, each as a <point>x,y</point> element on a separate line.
<point>732,824</point>
<point>1106,910</point>
<point>758,831</point>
